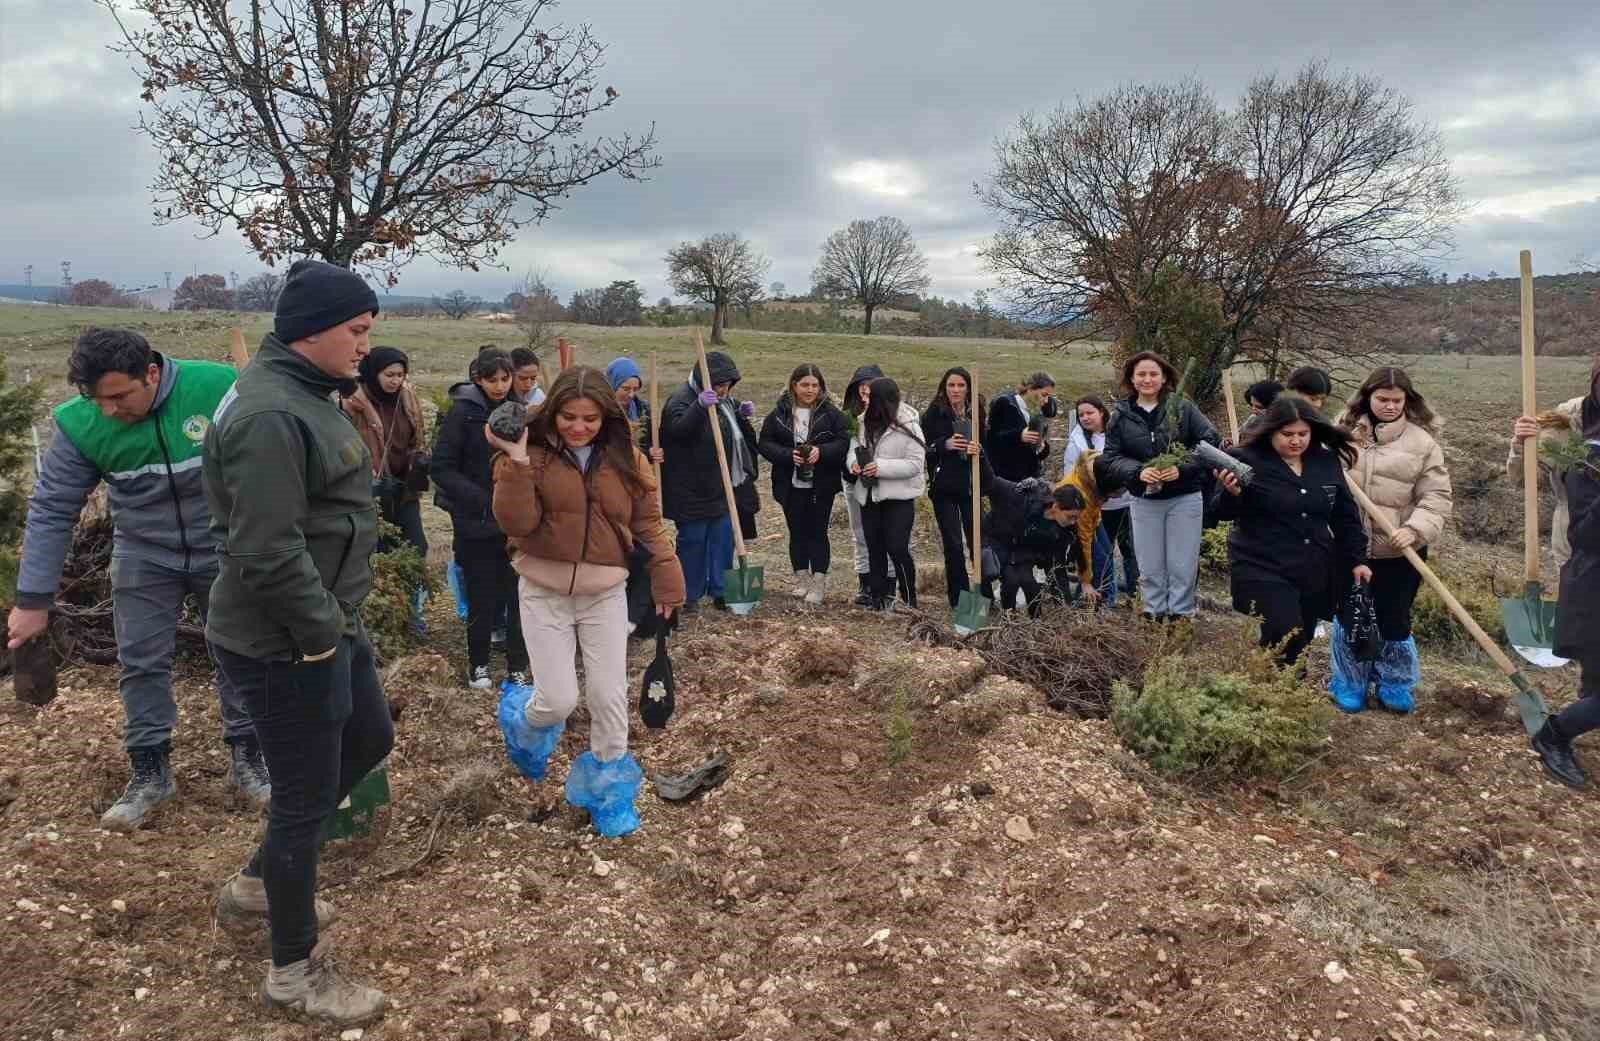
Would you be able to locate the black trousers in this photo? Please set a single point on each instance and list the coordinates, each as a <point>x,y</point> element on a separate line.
<point>1288,614</point>
<point>808,515</point>
<point>1394,589</point>
<point>491,584</point>
<point>322,727</point>
<point>887,526</point>
<point>954,516</point>
<point>1583,715</point>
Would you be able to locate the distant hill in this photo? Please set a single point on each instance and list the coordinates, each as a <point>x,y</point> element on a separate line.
<point>1483,316</point>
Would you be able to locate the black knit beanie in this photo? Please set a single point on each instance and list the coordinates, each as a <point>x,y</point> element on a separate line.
<point>319,296</point>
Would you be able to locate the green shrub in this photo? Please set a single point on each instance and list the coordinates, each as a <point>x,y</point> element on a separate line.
<point>397,574</point>
<point>1431,620</point>
<point>1214,549</point>
<point>19,408</point>
<point>1196,720</point>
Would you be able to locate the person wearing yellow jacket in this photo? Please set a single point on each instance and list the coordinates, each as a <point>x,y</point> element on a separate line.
<point>1093,481</point>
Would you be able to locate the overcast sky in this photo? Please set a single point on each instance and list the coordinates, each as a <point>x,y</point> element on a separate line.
<point>783,121</point>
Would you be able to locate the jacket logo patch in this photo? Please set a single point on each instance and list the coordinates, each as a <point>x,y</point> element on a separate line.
<point>195,427</point>
<point>350,453</point>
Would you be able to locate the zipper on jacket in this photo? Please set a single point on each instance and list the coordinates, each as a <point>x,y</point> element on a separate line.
<point>588,516</point>
<point>172,486</point>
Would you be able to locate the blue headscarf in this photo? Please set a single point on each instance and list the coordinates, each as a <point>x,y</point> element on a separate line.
<point>621,371</point>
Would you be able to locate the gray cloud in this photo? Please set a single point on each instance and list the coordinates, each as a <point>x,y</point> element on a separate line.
<point>784,121</point>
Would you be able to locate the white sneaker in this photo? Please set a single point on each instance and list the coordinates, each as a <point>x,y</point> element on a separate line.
<point>479,678</point>
<point>819,583</point>
<point>802,583</point>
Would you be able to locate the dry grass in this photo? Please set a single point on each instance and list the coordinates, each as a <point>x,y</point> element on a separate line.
<point>1073,656</point>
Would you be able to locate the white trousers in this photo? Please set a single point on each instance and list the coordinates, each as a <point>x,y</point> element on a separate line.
<point>557,627</point>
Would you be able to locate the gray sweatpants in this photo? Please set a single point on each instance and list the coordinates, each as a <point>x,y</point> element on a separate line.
<point>146,604</point>
<point>1166,539</point>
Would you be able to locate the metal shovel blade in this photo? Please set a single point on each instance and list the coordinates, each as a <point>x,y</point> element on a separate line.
<point>972,612</point>
<point>743,586</point>
<point>355,816</point>
<point>1530,622</point>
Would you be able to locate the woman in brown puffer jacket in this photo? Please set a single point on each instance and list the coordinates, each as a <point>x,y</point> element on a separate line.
<point>1401,468</point>
<point>575,497</point>
<point>385,411</point>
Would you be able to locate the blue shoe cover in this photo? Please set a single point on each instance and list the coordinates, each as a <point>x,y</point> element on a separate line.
<point>607,791</point>
<point>457,580</point>
<point>528,746</point>
<point>1346,695</point>
<point>1399,670</point>
<point>1347,679</point>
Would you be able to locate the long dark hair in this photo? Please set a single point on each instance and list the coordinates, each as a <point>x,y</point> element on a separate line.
<point>1291,408</point>
<point>1094,402</point>
<point>941,397</point>
<point>1389,378</point>
<point>801,372</point>
<point>615,439</point>
<point>883,413</point>
<point>1169,381</point>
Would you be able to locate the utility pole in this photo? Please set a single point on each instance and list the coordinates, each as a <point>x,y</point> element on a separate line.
<point>233,279</point>
<point>169,279</point>
<point>66,274</point>
<point>27,276</point>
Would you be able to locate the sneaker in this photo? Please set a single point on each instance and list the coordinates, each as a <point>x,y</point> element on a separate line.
<point>152,783</point>
<point>802,583</point>
<point>247,771</point>
<point>315,989</point>
<point>519,678</point>
<point>242,904</point>
<point>478,678</point>
<point>864,592</point>
<point>1558,757</point>
<point>719,603</point>
<point>819,583</point>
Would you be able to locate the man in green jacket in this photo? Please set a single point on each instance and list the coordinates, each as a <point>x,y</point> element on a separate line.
<point>289,481</point>
<point>137,426</point>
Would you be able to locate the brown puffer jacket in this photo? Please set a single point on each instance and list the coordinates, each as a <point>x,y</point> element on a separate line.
<point>364,414</point>
<point>1402,470</point>
<point>589,523</point>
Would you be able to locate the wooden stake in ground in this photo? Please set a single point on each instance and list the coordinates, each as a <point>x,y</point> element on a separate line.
<point>655,427</point>
<point>1227,398</point>
<point>566,353</point>
<point>240,353</point>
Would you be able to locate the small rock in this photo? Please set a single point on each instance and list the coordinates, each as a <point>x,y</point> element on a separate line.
<point>882,934</point>
<point>1264,840</point>
<point>602,868</point>
<point>1412,963</point>
<point>1018,829</point>
<point>140,993</point>
<point>119,905</point>
<point>1406,1005</point>
<point>510,1016</point>
<point>1335,973</point>
<point>849,760</point>
<point>541,1025</point>
<point>732,829</point>
<point>353,1034</point>
<point>980,789</point>
<point>28,905</point>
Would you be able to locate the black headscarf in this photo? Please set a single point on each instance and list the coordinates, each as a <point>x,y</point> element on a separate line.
<point>378,359</point>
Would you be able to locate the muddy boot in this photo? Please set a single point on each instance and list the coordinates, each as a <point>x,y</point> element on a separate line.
<point>152,783</point>
<point>315,989</point>
<point>247,771</point>
<point>818,587</point>
<point>1555,751</point>
<point>242,904</point>
<point>802,583</point>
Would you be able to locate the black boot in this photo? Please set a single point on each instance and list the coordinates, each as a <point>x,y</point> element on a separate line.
<point>864,594</point>
<point>1555,751</point>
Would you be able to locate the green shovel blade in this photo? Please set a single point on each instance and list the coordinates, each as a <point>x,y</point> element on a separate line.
<point>1530,620</point>
<point>972,612</point>
<point>355,815</point>
<point>743,586</point>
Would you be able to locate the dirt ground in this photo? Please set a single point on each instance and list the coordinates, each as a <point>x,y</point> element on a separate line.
<point>995,871</point>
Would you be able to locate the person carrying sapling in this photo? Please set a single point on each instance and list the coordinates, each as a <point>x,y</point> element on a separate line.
<point>888,458</point>
<point>805,438</point>
<point>1016,441</point>
<point>947,425</point>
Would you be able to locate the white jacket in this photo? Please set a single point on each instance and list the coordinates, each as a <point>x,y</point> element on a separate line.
<point>902,461</point>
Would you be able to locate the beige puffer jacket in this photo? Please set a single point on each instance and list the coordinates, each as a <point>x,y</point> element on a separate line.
<point>1402,470</point>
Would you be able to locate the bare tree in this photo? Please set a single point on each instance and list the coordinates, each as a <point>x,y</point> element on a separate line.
<point>260,292</point>
<point>717,270</point>
<point>538,310</point>
<point>456,304</point>
<point>776,290</point>
<point>1301,210</point>
<point>746,297</point>
<point>872,262</point>
<point>370,132</point>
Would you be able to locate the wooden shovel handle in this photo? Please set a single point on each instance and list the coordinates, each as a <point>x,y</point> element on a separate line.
<point>240,353</point>
<point>1530,451</point>
<point>722,453</point>
<point>975,583</point>
<point>655,426</point>
<point>1227,398</point>
<point>1470,624</point>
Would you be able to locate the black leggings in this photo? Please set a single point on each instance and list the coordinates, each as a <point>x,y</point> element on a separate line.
<point>807,514</point>
<point>887,525</point>
<point>1288,614</point>
<point>1582,715</point>
<point>1394,589</point>
<point>491,583</point>
<point>954,515</point>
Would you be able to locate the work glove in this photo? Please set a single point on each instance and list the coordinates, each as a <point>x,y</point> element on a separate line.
<point>708,398</point>
<point>747,409</point>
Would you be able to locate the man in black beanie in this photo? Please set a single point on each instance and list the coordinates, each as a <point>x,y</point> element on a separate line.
<point>289,482</point>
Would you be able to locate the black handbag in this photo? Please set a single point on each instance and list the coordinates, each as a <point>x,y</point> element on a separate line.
<point>658,690</point>
<point>1358,616</point>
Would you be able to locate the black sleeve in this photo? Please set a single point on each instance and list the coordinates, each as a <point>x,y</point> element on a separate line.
<point>1225,506</point>
<point>1349,534</point>
<point>1196,428</point>
<point>1005,424</point>
<point>834,443</point>
<point>683,418</point>
<point>1583,505</point>
<point>1124,468</point>
<point>777,441</point>
<point>446,467</point>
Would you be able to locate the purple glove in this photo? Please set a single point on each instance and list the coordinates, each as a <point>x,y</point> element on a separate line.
<point>708,398</point>
<point>747,409</point>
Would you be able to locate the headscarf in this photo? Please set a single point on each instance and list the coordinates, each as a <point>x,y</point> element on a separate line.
<point>621,371</point>
<point>1590,413</point>
<point>378,359</point>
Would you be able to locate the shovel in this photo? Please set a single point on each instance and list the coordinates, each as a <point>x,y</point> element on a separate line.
<point>972,607</point>
<point>1233,411</point>
<point>356,815</point>
<point>744,582</point>
<point>655,428</point>
<point>1530,619</point>
<point>1530,703</point>
<point>658,691</point>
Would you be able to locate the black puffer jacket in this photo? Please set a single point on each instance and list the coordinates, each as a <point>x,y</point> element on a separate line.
<point>950,473</point>
<point>864,374</point>
<point>691,481</point>
<point>1134,437</point>
<point>1578,612</point>
<point>829,433</point>
<point>462,473</point>
<point>1013,458</point>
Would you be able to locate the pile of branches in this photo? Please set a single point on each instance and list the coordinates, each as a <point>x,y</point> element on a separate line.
<point>82,629</point>
<point>1075,656</point>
